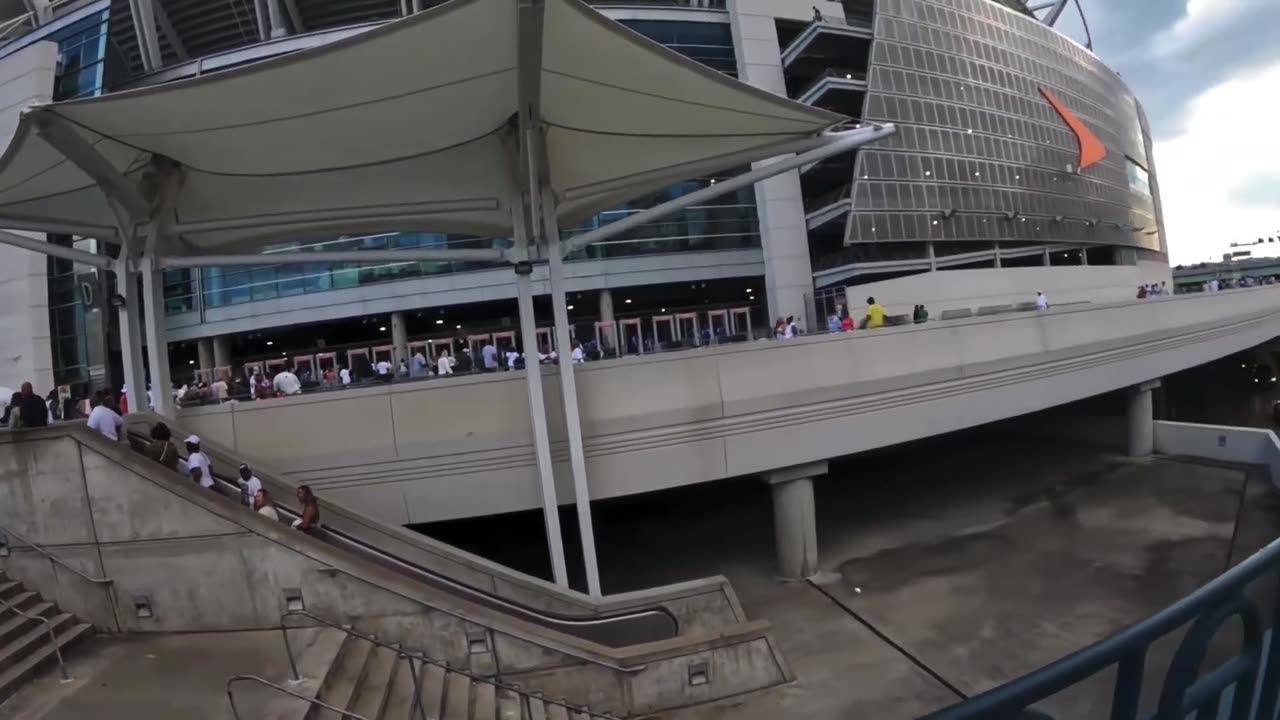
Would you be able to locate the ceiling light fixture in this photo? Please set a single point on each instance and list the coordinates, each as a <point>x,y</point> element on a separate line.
<point>439,322</point>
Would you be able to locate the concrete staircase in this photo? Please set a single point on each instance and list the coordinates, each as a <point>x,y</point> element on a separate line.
<point>376,683</point>
<point>25,648</point>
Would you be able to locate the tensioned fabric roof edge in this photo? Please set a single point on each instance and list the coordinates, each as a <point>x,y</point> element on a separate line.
<point>347,137</point>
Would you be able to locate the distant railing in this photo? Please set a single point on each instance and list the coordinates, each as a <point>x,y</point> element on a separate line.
<point>1243,687</point>
<point>692,4</point>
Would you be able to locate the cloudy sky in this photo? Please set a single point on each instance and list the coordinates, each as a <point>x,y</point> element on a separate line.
<point>1208,73</point>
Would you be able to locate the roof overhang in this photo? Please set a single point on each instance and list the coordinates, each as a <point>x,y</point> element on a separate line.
<point>408,126</point>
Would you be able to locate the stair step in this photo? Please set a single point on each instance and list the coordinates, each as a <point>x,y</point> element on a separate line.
<point>432,682</point>
<point>25,645</point>
<point>13,625</point>
<point>22,601</point>
<point>339,688</point>
<point>400,698</point>
<point>371,695</point>
<point>537,708</point>
<point>13,678</point>
<point>508,705</point>
<point>556,712</point>
<point>485,706</point>
<point>9,588</point>
<point>457,697</point>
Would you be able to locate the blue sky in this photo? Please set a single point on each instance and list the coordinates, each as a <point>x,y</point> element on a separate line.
<point>1208,74</point>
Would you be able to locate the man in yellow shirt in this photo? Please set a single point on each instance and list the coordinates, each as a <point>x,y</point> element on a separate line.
<point>875,314</point>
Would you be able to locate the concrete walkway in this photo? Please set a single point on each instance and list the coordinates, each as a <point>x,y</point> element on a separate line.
<point>148,677</point>
<point>945,575</point>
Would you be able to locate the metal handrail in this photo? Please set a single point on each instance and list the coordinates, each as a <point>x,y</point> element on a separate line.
<point>411,656</point>
<point>53,639</point>
<point>1206,608</point>
<point>55,558</point>
<point>106,584</point>
<point>231,698</point>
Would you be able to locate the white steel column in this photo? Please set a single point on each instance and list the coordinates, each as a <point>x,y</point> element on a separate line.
<point>537,410</point>
<point>569,395</point>
<point>135,376</point>
<point>157,341</point>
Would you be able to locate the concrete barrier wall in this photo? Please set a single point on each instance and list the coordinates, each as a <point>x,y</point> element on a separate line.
<point>954,289</point>
<point>1250,446</point>
<point>461,447</point>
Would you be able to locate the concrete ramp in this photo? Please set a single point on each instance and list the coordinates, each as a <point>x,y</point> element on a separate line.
<point>132,547</point>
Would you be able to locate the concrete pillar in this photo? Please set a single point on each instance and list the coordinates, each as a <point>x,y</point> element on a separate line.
<point>1141,417</point>
<point>204,351</point>
<point>26,77</point>
<point>399,340</point>
<point>606,306</point>
<point>222,351</point>
<point>795,525</point>
<point>784,235</point>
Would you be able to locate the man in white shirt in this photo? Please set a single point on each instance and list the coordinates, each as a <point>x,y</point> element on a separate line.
<point>286,383</point>
<point>1042,303</point>
<point>383,368</point>
<point>198,465</point>
<point>249,484</point>
<point>489,357</point>
<point>105,420</point>
<point>345,375</point>
<point>218,390</point>
<point>419,366</point>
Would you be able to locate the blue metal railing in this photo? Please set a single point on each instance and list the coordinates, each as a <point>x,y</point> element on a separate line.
<point>1243,687</point>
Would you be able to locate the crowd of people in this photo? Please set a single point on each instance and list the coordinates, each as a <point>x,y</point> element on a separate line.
<point>27,409</point>
<point>1153,290</point>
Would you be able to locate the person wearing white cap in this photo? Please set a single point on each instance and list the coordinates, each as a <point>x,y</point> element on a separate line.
<point>198,465</point>
<point>249,484</point>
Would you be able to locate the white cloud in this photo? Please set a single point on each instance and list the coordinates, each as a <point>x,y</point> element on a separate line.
<point>1204,19</point>
<point>1228,138</point>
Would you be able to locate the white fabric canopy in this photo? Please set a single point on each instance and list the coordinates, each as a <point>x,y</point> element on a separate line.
<point>406,127</point>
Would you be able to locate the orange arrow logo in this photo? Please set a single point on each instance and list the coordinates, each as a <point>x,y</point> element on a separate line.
<point>1091,148</point>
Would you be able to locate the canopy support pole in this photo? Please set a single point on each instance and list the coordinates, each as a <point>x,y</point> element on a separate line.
<point>841,143</point>
<point>135,377</point>
<point>569,395</point>
<point>47,248</point>
<point>157,338</point>
<point>537,407</point>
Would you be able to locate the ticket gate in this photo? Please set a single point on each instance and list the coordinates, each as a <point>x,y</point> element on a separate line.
<point>607,338</point>
<point>718,324</point>
<point>688,331</point>
<point>632,336</point>
<point>304,366</point>
<point>740,321</point>
<point>664,332</point>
